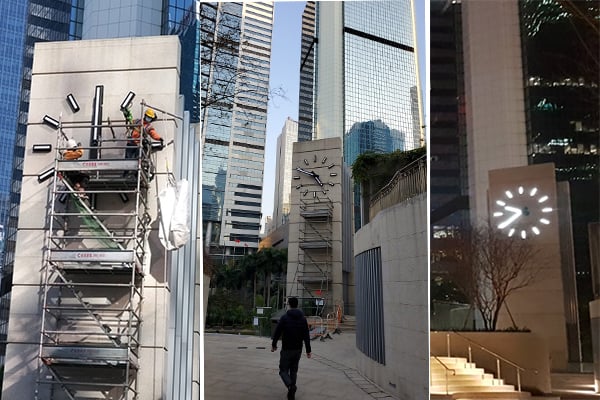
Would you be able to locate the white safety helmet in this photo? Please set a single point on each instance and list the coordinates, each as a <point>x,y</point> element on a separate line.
<point>72,144</point>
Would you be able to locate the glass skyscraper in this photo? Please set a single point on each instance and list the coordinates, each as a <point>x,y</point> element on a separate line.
<point>235,53</point>
<point>366,71</point>
<point>366,79</point>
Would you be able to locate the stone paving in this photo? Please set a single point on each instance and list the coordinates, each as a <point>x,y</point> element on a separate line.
<point>243,367</point>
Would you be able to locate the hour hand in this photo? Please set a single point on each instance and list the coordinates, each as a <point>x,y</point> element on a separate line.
<point>303,171</point>
<point>317,179</point>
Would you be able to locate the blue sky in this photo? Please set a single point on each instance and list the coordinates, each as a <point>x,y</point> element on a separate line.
<point>285,67</point>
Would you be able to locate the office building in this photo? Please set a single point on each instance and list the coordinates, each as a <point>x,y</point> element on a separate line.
<point>448,164</point>
<point>563,117</point>
<point>236,52</point>
<point>307,73</point>
<point>283,173</point>
<point>366,69</point>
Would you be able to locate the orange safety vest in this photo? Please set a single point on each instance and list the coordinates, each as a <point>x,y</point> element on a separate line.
<point>72,154</point>
<point>148,130</point>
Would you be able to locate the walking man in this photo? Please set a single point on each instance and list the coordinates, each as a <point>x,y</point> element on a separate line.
<point>293,328</point>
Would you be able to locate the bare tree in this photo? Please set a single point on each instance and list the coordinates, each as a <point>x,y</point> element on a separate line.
<point>226,61</point>
<point>492,267</point>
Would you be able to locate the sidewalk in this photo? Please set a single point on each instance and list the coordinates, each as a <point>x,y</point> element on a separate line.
<point>243,367</point>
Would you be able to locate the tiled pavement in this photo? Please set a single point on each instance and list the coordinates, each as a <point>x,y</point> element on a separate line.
<point>243,367</point>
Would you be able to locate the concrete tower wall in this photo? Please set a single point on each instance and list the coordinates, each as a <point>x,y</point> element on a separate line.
<point>149,67</point>
<point>494,94</point>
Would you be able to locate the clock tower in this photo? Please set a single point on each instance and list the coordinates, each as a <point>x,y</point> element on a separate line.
<point>528,204</point>
<point>315,274</point>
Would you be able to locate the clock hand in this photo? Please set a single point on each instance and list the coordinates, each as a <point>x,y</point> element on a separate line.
<point>317,179</point>
<point>303,171</point>
<point>516,214</point>
<point>513,209</point>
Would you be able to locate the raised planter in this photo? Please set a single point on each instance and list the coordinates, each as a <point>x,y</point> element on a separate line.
<point>525,349</point>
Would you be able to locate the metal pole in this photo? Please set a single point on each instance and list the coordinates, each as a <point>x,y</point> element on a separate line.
<point>498,368</point>
<point>448,344</point>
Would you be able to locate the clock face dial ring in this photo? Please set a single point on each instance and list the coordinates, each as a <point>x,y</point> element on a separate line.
<point>522,211</point>
<point>313,177</point>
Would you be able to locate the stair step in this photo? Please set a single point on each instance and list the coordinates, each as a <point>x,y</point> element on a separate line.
<point>468,381</point>
<point>493,395</point>
<point>439,367</point>
<point>447,360</point>
<point>441,377</point>
<point>473,388</point>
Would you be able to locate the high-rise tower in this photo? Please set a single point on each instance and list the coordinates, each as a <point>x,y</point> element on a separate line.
<point>307,73</point>
<point>283,173</point>
<point>366,69</point>
<point>236,53</point>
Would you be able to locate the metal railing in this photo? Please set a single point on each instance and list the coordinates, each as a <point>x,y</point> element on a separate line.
<point>446,369</point>
<point>406,183</point>
<point>471,343</point>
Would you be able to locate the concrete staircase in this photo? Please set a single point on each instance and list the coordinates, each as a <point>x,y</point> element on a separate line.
<point>467,382</point>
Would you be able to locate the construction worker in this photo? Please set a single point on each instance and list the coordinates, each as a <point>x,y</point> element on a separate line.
<point>133,141</point>
<point>73,150</point>
<point>78,179</point>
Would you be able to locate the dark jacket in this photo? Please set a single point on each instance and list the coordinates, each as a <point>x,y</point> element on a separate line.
<point>294,328</point>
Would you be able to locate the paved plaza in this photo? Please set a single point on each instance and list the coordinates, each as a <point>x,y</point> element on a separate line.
<point>243,367</point>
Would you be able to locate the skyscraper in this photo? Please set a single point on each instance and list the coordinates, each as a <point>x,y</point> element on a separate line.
<point>236,52</point>
<point>366,69</point>
<point>307,73</point>
<point>448,164</point>
<point>283,172</point>
<point>365,74</point>
<point>563,115</point>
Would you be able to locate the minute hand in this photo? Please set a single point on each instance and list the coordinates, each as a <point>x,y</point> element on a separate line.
<point>303,171</point>
<point>516,214</point>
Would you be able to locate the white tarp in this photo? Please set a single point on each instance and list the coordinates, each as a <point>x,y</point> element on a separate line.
<point>174,229</point>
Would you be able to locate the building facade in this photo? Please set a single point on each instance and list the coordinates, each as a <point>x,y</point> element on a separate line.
<point>236,52</point>
<point>283,173</point>
<point>563,116</point>
<point>366,70</point>
<point>307,73</point>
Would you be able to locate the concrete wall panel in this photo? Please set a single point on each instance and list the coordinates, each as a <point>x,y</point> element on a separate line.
<point>405,297</point>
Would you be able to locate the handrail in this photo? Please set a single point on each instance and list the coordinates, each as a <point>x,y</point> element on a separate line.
<point>495,354</point>
<point>498,357</point>
<point>445,367</point>
<point>392,182</point>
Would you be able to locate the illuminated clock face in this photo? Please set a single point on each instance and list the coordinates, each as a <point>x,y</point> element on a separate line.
<point>522,211</point>
<point>314,177</point>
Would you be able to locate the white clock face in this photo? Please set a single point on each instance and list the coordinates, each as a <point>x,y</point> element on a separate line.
<point>314,177</point>
<point>522,211</point>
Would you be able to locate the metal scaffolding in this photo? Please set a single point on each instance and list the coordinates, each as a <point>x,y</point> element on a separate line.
<point>93,272</point>
<point>314,273</point>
